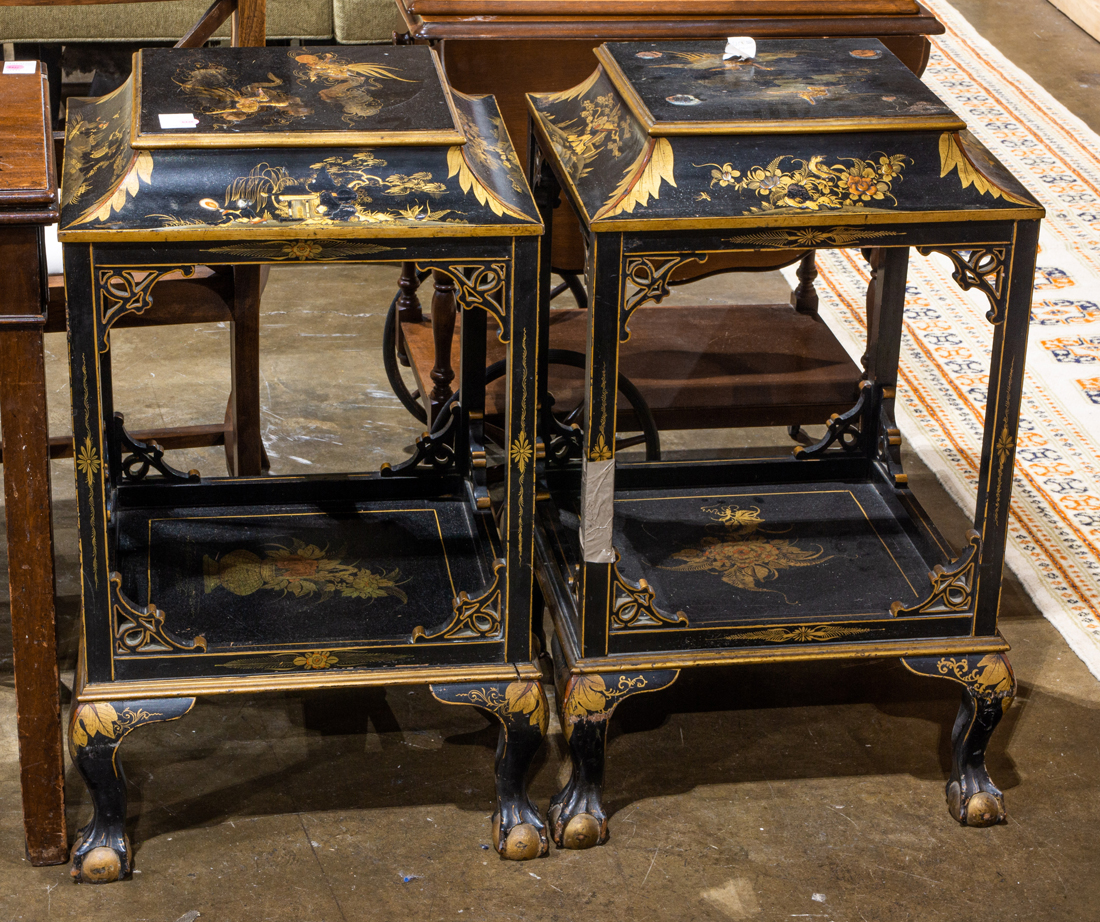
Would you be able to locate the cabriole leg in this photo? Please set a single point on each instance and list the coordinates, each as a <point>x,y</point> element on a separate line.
<point>988,689</point>
<point>577,817</point>
<point>521,708</point>
<point>96,728</point>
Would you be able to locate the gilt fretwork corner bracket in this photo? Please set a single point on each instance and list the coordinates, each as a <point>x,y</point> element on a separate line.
<point>142,630</point>
<point>984,268</point>
<point>128,291</point>
<point>650,276</point>
<point>952,586</point>
<point>482,285</point>
<point>633,606</point>
<point>474,619</point>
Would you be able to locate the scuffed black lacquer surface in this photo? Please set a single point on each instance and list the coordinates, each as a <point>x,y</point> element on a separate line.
<point>300,91</point>
<point>804,82</point>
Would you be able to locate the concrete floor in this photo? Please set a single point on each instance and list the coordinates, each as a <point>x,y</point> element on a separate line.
<point>809,792</point>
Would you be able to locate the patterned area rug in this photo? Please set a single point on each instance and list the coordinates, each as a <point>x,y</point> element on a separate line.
<point>1055,527</point>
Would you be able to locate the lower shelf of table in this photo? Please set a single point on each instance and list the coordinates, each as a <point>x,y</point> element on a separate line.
<point>301,587</point>
<point>760,566</point>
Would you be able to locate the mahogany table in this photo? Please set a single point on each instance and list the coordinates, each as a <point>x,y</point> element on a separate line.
<point>28,202</point>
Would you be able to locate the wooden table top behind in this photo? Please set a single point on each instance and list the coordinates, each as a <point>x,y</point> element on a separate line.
<point>511,47</point>
<point>28,188</point>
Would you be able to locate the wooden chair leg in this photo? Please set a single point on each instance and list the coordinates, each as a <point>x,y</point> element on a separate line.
<point>244,450</point>
<point>804,298</point>
<point>444,309</point>
<point>30,557</point>
<point>408,306</point>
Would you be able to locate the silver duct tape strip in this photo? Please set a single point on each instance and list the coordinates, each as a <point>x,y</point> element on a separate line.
<point>598,511</point>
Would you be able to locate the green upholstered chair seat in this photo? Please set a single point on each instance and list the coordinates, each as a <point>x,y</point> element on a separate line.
<point>351,21</point>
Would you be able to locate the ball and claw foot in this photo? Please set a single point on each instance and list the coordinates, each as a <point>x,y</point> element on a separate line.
<point>99,865</point>
<point>983,808</point>
<point>988,687</point>
<point>522,842</point>
<point>522,710</point>
<point>577,830</point>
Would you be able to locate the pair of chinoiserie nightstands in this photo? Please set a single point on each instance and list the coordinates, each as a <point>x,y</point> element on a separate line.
<point>413,574</point>
<point>669,154</point>
<point>674,153</point>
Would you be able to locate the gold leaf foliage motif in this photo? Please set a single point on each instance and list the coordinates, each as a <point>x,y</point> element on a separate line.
<point>602,128</point>
<point>813,184</point>
<point>101,718</point>
<point>600,451</point>
<point>641,180</point>
<point>469,182</point>
<point>347,86</point>
<point>140,170</point>
<point>810,237</point>
<point>319,659</point>
<point>90,149</point>
<point>952,157</point>
<point>493,154</point>
<point>303,250</point>
<point>87,461</point>
<point>1005,444</point>
<point>574,92</point>
<point>91,457</point>
<point>742,552</point>
<point>590,696</point>
<point>804,633</point>
<point>518,699</point>
<point>990,678</point>
<point>301,570</point>
<point>269,194</point>
<point>313,660</point>
<point>522,452</point>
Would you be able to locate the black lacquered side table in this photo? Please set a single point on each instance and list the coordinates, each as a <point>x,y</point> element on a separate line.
<point>671,153</point>
<point>207,586</point>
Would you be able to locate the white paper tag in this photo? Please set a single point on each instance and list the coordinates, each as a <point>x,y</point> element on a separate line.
<point>741,47</point>
<point>20,67</point>
<point>177,120</point>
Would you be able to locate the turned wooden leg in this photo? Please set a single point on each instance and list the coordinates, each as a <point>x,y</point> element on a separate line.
<point>408,306</point>
<point>577,817</point>
<point>988,689</point>
<point>102,850</point>
<point>444,309</point>
<point>804,297</point>
<point>521,708</point>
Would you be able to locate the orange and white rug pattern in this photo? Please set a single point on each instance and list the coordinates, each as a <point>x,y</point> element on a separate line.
<point>1055,527</point>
